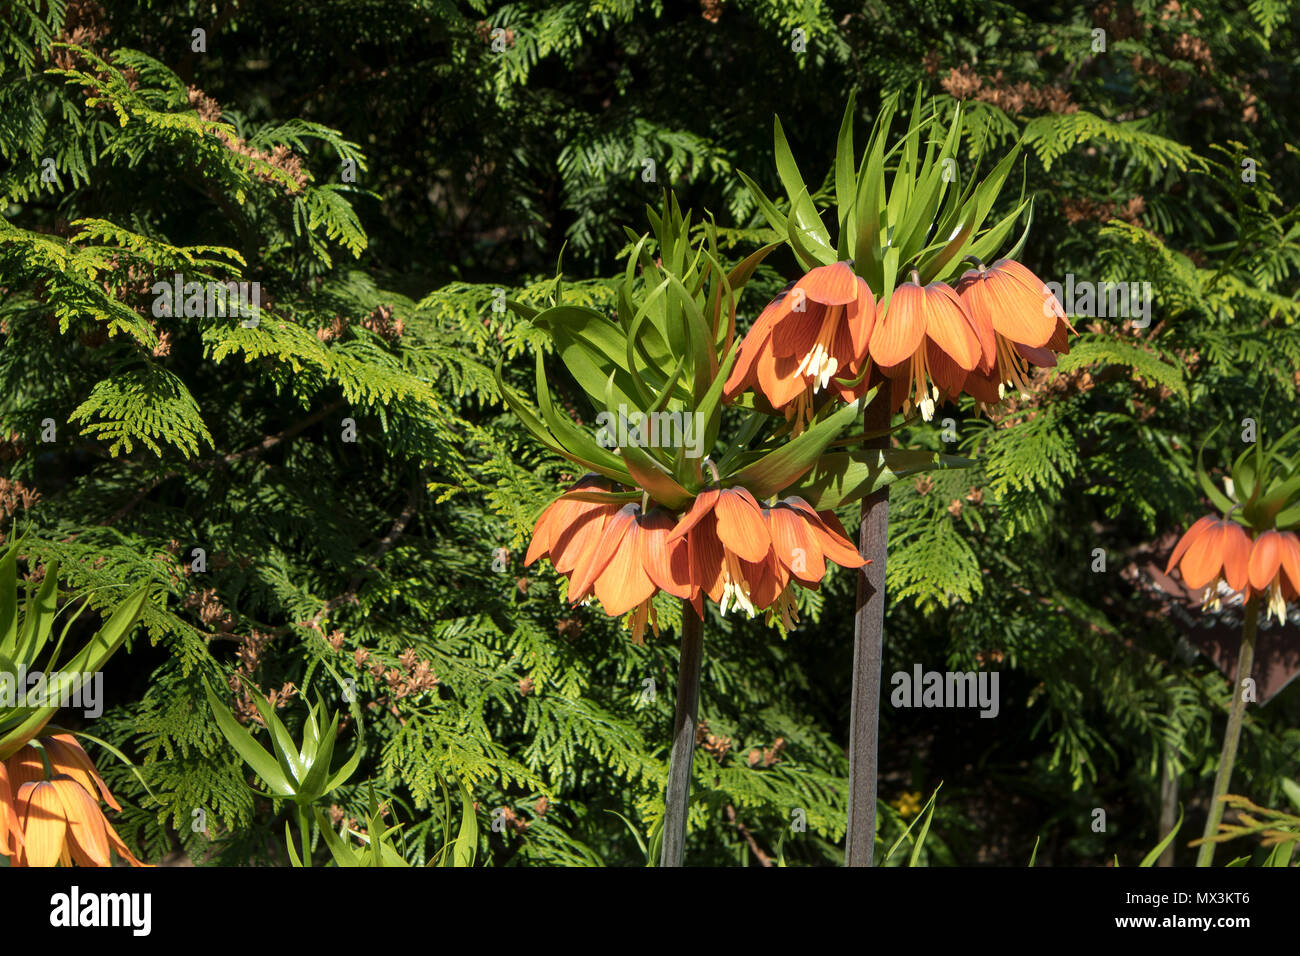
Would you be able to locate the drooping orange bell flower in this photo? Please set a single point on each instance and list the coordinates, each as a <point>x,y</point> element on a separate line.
<point>729,550</point>
<point>614,552</point>
<point>802,541</point>
<point>928,340</point>
<point>570,527</point>
<point>727,547</point>
<point>1275,569</point>
<point>1211,551</point>
<point>68,758</point>
<point>633,560</point>
<point>816,331</point>
<point>62,823</point>
<point>745,555</point>
<point>59,817</point>
<point>11,832</point>
<point>1027,323</point>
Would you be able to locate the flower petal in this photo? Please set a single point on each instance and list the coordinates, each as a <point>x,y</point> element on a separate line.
<point>1265,560</point>
<point>45,829</point>
<point>741,526</point>
<point>795,544</point>
<point>1204,558</point>
<point>948,326</point>
<point>779,379</point>
<point>706,556</point>
<point>700,508</point>
<point>796,334</point>
<point>1195,531</point>
<point>1291,559</point>
<point>1236,556</point>
<point>68,757</point>
<point>755,342</point>
<point>624,583</point>
<point>901,328</point>
<point>87,829</point>
<point>597,555</point>
<point>835,284</point>
<point>668,564</point>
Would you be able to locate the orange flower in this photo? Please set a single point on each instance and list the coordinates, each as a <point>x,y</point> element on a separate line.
<point>729,550</point>
<point>11,832</point>
<point>613,551</point>
<point>928,338</point>
<point>802,540</point>
<point>818,329</point>
<point>1274,569</point>
<point>569,528</point>
<point>746,555</point>
<point>633,561</point>
<point>62,823</point>
<point>1024,319</point>
<point>1213,550</point>
<point>727,547</point>
<point>59,818</point>
<point>68,758</point>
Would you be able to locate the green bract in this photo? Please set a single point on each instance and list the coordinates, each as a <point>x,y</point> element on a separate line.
<point>922,218</point>
<point>25,632</point>
<point>297,772</point>
<point>1265,485</point>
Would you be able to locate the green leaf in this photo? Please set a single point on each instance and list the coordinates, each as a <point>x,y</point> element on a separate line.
<point>9,599</point>
<point>1281,855</point>
<point>540,432</point>
<point>1220,500</point>
<point>467,838</point>
<point>802,209</point>
<point>344,772</point>
<point>1150,858</point>
<point>286,751</point>
<point>780,468</point>
<point>845,177</point>
<point>925,829</point>
<point>650,475</point>
<point>264,765</point>
<point>576,441</point>
<point>591,347</point>
<point>842,478</point>
<point>1292,791</point>
<point>775,218</point>
<point>928,806</point>
<point>294,859</point>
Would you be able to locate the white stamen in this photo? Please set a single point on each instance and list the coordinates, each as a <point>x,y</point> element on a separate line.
<point>1276,604</point>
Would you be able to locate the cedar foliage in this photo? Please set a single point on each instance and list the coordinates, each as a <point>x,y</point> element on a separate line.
<point>485,139</point>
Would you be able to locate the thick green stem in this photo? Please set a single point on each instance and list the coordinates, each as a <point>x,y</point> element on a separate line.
<point>868,647</point>
<point>1231,736</point>
<point>678,799</point>
<point>304,824</point>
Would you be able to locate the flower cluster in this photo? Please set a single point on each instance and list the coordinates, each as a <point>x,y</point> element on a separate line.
<point>1218,550</point>
<point>49,811</point>
<point>729,547</point>
<point>825,331</point>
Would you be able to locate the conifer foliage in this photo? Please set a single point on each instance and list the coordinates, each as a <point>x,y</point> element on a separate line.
<point>267,275</point>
